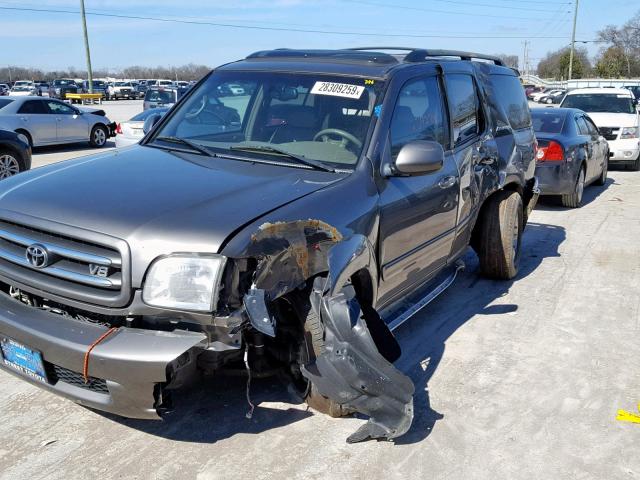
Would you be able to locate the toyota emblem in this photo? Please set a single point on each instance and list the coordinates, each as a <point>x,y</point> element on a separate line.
<point>37,256</point>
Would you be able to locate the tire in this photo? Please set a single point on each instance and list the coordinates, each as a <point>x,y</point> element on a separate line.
<point>635,166</point>
<point>10,163</point>
<point>311,347</point>
<point>500,239</point>
<point>602,179</point>
<point>99,135</point>
<point>574,200</point>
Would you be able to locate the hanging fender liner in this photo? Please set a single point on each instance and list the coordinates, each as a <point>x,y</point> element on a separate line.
<point>355,368</point>
<point>352,372</point>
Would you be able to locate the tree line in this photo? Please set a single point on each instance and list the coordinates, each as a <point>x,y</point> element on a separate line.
<point>618,57</point>
<point>185,72</point>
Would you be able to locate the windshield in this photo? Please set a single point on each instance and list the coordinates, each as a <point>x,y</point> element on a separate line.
<point>161,96</point>
<point>547,121</point>
<point>318,117</point>
<point>600,102</point>
<point>21,89</point>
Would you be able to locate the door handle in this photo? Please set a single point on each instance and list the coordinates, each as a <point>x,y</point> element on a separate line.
<point>447,182</point>
<point>58,119</point>
<point>24,119</point>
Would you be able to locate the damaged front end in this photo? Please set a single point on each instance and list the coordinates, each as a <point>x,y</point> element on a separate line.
<point>354,369</point>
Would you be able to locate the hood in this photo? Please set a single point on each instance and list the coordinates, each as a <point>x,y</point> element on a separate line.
<point>158,201</point>
<point>604,119</point>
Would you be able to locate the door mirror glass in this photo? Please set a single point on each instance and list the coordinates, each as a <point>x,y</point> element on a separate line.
<point>419,157</point>
<point>150,122</point>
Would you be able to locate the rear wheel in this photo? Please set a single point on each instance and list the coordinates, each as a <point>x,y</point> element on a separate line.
<point>574,199</point>
<point>99,136</point>
<point>500,235</point>
<point>25,137</point>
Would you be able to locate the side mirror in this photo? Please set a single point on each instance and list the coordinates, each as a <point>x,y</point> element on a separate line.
<point>419,157</point>
<point>150,122</point>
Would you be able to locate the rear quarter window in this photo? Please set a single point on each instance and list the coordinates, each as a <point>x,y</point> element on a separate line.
<point>510,96</point>
<point>4,102</point>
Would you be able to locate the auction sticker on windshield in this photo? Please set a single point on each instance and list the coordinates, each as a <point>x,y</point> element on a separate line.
<point>337,89</point>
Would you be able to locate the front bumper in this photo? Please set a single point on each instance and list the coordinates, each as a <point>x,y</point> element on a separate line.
<point>626,150</point>
<point>134,364</point>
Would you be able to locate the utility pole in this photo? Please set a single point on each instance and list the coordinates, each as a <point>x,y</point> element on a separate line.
<point>525,61</point>
<point>573,40</point>
<point>86,46</point>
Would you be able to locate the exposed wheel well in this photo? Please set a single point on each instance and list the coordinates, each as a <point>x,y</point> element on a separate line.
<point>26,134</point>
<point>475,234</point>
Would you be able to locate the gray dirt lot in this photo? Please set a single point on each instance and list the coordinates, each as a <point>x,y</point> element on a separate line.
<point>514,380</point>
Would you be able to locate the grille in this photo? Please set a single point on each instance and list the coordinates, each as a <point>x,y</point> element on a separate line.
<point>610,133</point>
<point>56,373</point>
<point>61,264</point>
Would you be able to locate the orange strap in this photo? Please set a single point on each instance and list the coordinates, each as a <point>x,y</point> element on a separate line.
<point>85,369</point>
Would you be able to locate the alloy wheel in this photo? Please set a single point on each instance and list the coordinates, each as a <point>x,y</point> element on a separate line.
<point>9,166</point>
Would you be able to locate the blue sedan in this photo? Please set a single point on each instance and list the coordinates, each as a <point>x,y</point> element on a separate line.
<point>571,153</point>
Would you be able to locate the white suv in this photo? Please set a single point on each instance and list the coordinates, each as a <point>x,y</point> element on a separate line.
<point>614,112</point>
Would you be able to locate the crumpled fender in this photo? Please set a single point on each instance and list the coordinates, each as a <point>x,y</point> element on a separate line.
<point>352,372</point>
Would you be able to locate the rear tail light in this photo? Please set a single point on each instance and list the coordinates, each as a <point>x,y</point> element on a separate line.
<point>119,129</point>
<point>553,152</point>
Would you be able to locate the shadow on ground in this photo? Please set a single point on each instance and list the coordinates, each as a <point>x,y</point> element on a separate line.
<point>216,410</point>
<point>70,147</point>
<point>591,193</point>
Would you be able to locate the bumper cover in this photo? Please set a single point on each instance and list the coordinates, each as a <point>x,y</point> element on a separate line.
<point>555,179</point>
<point>131,361</point>
<point>625,150</point>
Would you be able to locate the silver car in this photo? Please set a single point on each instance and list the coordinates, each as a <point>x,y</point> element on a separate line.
<point>131,131</point>
<point>46,121</point>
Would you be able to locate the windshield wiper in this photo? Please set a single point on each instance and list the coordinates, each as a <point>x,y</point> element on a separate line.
<point>284,153</point>
<point>194,146</point>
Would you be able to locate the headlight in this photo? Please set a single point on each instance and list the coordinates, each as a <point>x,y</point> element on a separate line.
<point>629,132</point>
<point>184,282</point>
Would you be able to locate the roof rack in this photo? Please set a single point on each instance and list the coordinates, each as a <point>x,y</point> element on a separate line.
<point>346,54</point>
<point>422,54</point>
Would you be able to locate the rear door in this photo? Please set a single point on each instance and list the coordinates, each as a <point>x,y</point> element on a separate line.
<point>34,117</point>
<point>70,126</point>
<point>590,146</point>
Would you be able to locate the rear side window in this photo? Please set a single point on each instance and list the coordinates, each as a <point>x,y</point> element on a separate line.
<point>419,115</point>
<point>510,95</point>
<point>464,104</point>
<point>582,126</point>
<point>33,106</point>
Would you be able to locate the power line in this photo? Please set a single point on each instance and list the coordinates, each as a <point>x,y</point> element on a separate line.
<point>257,27</point>
<point>433,10</point>
<point>509,7</point>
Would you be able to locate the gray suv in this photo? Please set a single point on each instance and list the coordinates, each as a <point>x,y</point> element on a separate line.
<point>286,230</point>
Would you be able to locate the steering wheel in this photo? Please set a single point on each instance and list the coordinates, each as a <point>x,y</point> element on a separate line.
<point>346,137</point>
<point>194,117</point>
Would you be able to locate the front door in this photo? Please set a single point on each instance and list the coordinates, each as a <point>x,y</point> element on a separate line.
<point>71,127</point>
<point>417,213</point>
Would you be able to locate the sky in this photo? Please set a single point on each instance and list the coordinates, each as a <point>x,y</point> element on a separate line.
<point>53,40</point>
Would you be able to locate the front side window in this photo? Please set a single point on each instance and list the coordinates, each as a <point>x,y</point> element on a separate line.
<point>419,115</point>
<point>58,108</point>
<point>464,105</point>
<point>318,117</point>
